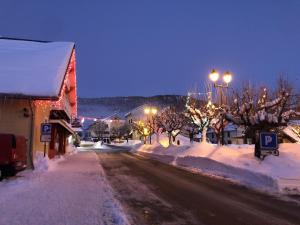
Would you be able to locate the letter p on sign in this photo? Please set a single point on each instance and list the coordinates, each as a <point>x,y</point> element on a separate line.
<point>268,139</point>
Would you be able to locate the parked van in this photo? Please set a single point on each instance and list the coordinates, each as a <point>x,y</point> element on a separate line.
<point>13,154</point>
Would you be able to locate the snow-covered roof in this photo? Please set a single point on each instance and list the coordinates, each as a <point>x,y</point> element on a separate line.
<point>294,122</point>
<point>229,127</point>
<point>137,110</point>
<point>33,68</point>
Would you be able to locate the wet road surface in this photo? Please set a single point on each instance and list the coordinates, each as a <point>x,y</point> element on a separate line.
<point>155,193</point>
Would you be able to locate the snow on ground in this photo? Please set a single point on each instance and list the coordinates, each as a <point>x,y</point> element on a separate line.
<point>234,162</point>
<point>85,146</point>
<point>43,164</point>
<point>70,190</point>
<point>99,145</point>
<point>125,143</point>
<point>289,131</point>
<point>86,143</point>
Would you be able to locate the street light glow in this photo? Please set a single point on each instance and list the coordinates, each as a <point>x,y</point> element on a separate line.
<point>146,110</point>
<point>153,111</point>
<point>227,77</point>
<point>146,131</point>
<point>214,76</point>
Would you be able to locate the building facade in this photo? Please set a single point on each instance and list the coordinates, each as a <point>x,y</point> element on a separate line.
<point>38,86</point>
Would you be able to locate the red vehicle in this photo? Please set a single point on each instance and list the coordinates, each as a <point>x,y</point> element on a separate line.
<point>13,154</point>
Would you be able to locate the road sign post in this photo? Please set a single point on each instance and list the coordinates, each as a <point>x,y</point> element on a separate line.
<point>46,129</point>
<point>267,144</point>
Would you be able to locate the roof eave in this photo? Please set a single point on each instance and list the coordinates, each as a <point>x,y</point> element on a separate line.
<point>31,97</point>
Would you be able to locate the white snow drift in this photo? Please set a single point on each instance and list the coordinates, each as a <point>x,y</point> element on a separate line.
<point>234,162</point>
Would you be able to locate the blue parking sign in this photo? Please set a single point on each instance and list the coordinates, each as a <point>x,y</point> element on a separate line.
<point>46,132</point>
<point>268,141</point>
<point>46,128</point>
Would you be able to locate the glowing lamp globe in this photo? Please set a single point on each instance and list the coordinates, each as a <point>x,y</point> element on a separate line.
<point>214,76</point>
<point>153,111</point>
<point>146,110</point>
<point>227,77</point>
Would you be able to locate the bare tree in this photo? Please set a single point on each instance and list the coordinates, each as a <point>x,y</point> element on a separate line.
<point>124,131</point>
<point>156,129</point>
<point>260,110</point>
<point>99,128</point>
<point>115,127</point>
<point>139,127</point>
<point>171,122</point>
<point>205,115</point>
<point>192,129</point>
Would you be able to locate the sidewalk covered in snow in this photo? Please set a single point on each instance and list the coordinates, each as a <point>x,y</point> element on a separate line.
<point>69,191</point>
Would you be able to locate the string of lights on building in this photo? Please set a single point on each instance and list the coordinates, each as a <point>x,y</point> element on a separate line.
<point>58,104</point>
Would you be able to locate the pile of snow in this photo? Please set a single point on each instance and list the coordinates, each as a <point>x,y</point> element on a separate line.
<point>99,145</point>
<point>234,162</point>
<point>71,149</point>
<point>74,192</point>
<point>87,143</point>
<point>42,164</point>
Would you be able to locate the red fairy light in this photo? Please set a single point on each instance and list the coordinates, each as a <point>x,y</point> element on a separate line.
<point>59,104</point>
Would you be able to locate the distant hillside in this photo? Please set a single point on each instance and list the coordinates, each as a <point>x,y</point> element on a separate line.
<point>106,106</point>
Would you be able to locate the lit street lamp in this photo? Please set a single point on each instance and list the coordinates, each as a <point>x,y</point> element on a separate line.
<point>227,78</point>
<point>150,112</point>
<point>214,77</point>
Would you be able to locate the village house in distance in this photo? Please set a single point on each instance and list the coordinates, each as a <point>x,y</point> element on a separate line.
<point>38,85</point>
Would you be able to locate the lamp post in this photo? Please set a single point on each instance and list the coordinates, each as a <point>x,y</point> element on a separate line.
<point>146,132</point>
<point>151,111</point>
<point>227,78</point>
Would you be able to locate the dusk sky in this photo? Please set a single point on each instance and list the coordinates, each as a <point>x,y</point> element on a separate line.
<point>127,48</point>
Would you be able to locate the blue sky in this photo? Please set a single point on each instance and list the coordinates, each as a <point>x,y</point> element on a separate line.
<point>164,47</point>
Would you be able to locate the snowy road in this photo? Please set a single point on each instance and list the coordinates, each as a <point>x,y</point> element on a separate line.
<point>156,193</point>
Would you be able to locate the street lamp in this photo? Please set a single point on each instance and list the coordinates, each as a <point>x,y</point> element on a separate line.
<point>214,77</point>
<point>150,111</point>
<point>227,78</point>
<point>147,111</point>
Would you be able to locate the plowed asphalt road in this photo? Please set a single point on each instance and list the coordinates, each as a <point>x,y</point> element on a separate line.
<point>155,193</point>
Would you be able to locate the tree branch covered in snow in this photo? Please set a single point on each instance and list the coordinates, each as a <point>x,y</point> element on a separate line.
<point>259,110</point>
<point>205,115</point>
<point>139,126</point>
<point>171,122</point>
<point>99,128</point>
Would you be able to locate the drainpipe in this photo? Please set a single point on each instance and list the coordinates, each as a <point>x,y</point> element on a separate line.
<point>30,152</point>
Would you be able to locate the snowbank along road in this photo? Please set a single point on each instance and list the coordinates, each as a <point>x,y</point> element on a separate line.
<point>155,193</point>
